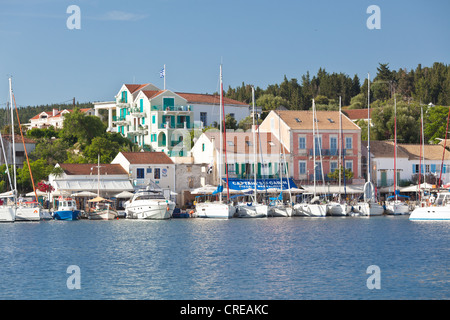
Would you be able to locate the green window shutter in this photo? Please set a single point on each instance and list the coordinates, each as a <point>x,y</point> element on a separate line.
<point>172,121</point>
<point>141,102</point>
<point>188,122</point>
<point>259,169</point>
<point>153,119</point>
<point>237,168</point>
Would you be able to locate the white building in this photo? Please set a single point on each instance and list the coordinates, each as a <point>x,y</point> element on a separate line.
<point>239,154</point>
<point>410,158</point>
<point>161,120</point>
<point>77,177</point>
<point>148,168</point>
<point>55,118</point>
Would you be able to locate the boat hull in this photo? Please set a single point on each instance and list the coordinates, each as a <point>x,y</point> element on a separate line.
<point>310,210</point>
<point>159,210</point>
<point>214,210</point>
<point>339,209</point>
<point>67,215</point>
<point>7,214</point>
<point>103,215</point>
<point>28,214</point>
<point>280,211</point>
<point>397,209</point>
<point>430,214</point>
<point>253,211</point>
<point>368,209</point>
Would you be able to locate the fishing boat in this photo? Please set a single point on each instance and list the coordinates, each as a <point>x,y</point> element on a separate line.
<point>67,210</point>
<point>103,210</point>
<point>218,209</point>
<point>368,207</point>
<point>149,204</point>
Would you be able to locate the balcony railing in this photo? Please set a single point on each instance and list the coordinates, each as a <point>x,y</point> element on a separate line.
<point>172,108</point>
<point>324,152</point>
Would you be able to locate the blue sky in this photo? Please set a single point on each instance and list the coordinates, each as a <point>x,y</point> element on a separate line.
<point>257,41</point>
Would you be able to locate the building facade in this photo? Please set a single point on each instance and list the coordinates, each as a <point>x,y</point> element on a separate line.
<point>334,132</point>
<point>54,118</point>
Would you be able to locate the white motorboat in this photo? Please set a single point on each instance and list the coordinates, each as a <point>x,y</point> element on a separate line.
<point>440,211</point>
<point>149,204</point>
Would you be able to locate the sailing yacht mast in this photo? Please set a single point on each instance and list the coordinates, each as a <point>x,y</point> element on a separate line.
<point>220,138</point>
<point>254,140</point>
<point>339,150</point>
<point>395,147</point>
<point>13,142</point>
<point>368,128</point>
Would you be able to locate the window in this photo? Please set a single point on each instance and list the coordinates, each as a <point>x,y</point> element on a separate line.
<point>203,118</point>
<point>157,173</point>
<point>230,143</point>
<point>203,147</point>
<point>348,143</point>
<point>301,167</point>
<point>333,166</point>
<point>168,102</point>
<point>298,120</point>
<point>333,145</point>
<point>140,173</point>
<point>349,165</point>
<point>249,143</point>
<point>302,142</point>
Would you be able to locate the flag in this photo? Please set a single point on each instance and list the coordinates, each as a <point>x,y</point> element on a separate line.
<point>162,73</point>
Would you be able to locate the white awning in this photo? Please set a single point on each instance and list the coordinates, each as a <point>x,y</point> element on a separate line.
<point>90,185</point>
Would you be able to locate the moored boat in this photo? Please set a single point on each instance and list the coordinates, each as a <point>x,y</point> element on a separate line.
<point>67,210</point>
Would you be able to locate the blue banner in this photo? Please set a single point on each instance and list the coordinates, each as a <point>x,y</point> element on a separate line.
<point>261,184</point>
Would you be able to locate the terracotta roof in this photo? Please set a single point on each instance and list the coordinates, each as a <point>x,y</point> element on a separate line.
<point>147,158</point>
<point>50,113</point>
<point>356,114</point>
<point>385,149</point>
<point>430,152</point>
<point>327,120</point>
<point>135,87</point>
<point>89,168</point>
<point>152,93</point>
<point>242,142</point>
<point>208,99</point>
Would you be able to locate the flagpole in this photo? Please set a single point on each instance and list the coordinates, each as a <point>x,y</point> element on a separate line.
<point>164,77</point>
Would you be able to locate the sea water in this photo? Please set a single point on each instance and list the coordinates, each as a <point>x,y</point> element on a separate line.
<point>261,259</point>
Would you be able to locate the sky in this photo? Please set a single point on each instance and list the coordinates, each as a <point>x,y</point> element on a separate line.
<point>257,41</point>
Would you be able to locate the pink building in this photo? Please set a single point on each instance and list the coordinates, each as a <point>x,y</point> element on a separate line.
<point>295,130</point>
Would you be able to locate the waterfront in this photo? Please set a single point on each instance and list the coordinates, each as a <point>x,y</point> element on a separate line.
<point>272,258</point>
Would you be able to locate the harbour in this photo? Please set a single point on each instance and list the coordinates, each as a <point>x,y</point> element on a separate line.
<point>296,258</point>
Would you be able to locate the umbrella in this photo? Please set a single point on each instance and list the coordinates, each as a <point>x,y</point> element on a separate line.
<point>124,194</point>
<point>38,192</point>
<point>84,194</point>
<point>98,199</point>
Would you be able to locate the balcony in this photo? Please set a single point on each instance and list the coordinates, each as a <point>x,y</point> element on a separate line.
<point>324,152</point>
<point>136,112</point>
<point>172,108</point>
<point>122,120</point>
<point>122,103</point>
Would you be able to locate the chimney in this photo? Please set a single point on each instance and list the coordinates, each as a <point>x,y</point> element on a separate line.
<point>55,112</point>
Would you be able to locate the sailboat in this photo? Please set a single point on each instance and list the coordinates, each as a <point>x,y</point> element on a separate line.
<point>314,208</point>
<point>339,208</point>
<point>103,209</point>
<point>277,208</point>
<point>440,211</point>
<point>394,206</point>
<point>220,208</point>
<point>253,209</point>
<point>368,207</point>
<point>8,210</point>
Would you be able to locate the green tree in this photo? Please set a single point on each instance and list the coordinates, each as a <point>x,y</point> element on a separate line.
<point>79,127</point>
<point>101,145</point>
<point>271,102</point>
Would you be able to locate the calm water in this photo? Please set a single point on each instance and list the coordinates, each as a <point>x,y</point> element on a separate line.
<point>274,258</point>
